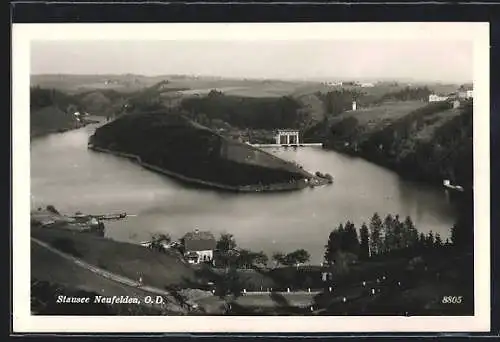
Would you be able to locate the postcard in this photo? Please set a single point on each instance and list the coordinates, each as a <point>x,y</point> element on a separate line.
<point>299,177</point>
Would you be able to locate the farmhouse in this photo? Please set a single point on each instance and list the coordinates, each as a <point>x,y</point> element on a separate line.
<point>199,246</point>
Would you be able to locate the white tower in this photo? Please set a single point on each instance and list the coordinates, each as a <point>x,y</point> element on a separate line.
<point>353,105</point>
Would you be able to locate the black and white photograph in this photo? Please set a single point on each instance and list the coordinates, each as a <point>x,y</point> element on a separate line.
<point>252,171</point>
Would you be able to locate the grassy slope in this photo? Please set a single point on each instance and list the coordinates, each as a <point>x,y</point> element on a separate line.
<point>51,268</point>
<point>368,119</point>
<point>376,117</point>
<point>129,260</point>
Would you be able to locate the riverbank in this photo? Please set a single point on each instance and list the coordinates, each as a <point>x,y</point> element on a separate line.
<point>41,134</point>
<point>277,187</point>
<point>429,144</point>
<point>34,134</point>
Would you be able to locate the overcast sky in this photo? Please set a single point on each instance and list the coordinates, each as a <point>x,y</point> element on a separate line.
<point>448,61</point>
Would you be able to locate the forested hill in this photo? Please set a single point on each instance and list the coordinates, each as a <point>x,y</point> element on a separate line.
<point>174,143</point>
<point>429,142</point>
<point>245,112</point>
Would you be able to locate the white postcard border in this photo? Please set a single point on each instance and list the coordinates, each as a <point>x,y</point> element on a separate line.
<point>23,34</point>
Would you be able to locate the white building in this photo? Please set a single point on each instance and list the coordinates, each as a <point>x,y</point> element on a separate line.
<point>199,247</point>
<point>287,137</point>
<point>367,85</point>
<point>466,94</point>
<point>334,84</point>
<point>437,98</point>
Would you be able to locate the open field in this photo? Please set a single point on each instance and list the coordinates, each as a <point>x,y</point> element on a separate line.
<point>203,84</point>
<point>248,91</point>
<point>379,116</point>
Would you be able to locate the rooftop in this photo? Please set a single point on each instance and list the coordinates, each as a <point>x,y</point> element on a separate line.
<point>199,241</point>
<point>287,130</point>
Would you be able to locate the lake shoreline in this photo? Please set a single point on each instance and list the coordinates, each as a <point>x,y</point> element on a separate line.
<point>194,181</point>
<point>42,134</point>
<point>410,174</point>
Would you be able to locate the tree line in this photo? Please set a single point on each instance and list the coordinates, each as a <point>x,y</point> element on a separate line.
<point>244,112</point>
<point>345,244</point>
<point>228,254</point>
<point>407,94</point>
<point>42,97</point>
<point>379,237</point>
<point>338,101</point>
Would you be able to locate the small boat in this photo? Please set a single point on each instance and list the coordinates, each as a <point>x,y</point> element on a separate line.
<point>447,184</point>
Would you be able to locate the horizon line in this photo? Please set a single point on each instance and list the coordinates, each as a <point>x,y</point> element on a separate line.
<point>303,79</point>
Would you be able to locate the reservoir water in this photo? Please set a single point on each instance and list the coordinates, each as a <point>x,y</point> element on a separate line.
<point>66,174</point>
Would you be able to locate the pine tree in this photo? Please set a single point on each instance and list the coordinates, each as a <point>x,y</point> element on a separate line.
<point>454,234</point>
<point>329,252</point>
<point>341,236</point>
<point>430,239</point>
<point>333,245</point>
<point>344,240</point>
<point>398,233</point>
<point>389,239</point>
<point>375,234</point>
<point>351,237</point>
<point>438,242</point>
<point>364,252</point>
<point>422,241</point>
<point>410,231</point>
